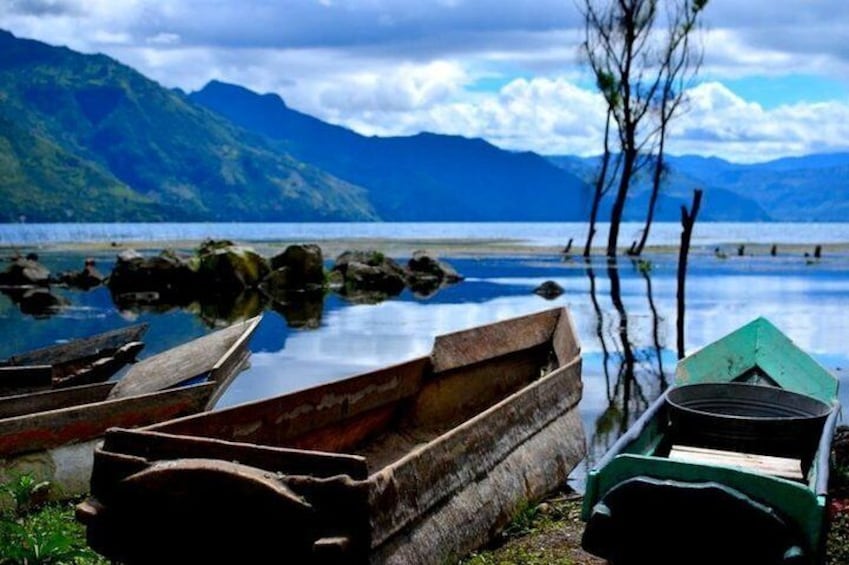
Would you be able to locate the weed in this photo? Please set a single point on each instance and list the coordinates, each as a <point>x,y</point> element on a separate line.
<point>34,531</point>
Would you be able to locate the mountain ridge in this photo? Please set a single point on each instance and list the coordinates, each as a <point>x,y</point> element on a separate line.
<point>86,138</point>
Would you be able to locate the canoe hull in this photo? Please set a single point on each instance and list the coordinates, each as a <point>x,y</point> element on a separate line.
<point>404,496</point>
<point>761,500</point>
<point>83,361</point>
<point>52,435</point>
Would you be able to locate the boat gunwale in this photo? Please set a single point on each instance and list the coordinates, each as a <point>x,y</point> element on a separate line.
<point>47,416</point>
<point>480,419</point>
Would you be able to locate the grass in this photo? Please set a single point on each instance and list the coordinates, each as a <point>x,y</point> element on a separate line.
<point>34,531</point>
<point>544,534</point>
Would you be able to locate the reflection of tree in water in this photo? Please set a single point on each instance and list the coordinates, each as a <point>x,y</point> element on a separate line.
<point>633,375</point>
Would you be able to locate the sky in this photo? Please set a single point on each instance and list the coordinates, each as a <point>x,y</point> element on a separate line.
<point>774,81</point>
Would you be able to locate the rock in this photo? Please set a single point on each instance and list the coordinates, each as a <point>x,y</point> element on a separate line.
<point>360,276</point>
<point>303,265</point>
<point>549,290</point>
<point>371,274</point>
<point>168,274</point>
<point>426,274</point>
<point>224,269</point>
<point>25,271</point>
<point>335,280</point>
<point>424,264</point>
<point>88,278</point>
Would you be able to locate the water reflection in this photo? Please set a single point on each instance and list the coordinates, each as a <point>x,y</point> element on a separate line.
<point>639,375</point>
<point>38,302</point>
<point>624,315</point>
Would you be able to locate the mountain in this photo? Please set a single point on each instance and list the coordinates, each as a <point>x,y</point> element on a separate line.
<point>718,204</point>
<point>810,188</point>
<point>85,138</point>
<point>420,177</point>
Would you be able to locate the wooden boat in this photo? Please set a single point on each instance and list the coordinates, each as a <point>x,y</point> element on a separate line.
<point>80,361</point>
<point>412,463</point>
<point>730,465</point>
<point>53,434</point>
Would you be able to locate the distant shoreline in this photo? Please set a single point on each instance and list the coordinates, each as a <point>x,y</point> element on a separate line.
<point>404,247</point>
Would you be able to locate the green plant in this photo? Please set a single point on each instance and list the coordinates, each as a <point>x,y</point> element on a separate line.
<point>33,531</point>
<point>525,521</point>
<point>25,492</point>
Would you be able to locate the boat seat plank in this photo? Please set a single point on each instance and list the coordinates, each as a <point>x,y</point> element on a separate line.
<point>783,467</point>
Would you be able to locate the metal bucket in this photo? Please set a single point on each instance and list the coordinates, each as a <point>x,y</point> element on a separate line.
<point>748,418</point>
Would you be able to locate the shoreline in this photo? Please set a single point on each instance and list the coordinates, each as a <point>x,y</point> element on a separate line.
<point>446,247</point>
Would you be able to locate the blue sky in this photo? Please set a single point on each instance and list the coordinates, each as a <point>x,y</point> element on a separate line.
<point>775,79</point>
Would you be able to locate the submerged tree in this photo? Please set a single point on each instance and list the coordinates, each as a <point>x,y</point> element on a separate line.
<point>642,58</point>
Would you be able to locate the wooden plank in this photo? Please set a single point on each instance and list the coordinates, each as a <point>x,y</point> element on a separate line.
<point>409,488</point>
<point>277,420</point>
<point>565,339</point>
<point>758,345</point>
<point>157,446</point>
<point>474,345</point>
<point>184,362</point>
<point>84,347</point>
<point>23,404</point>
<point>763,464</point>
<point>43,430</point>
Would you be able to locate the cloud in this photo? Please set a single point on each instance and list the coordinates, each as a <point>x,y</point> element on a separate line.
<point>721,123</point>
<point>504,70</point>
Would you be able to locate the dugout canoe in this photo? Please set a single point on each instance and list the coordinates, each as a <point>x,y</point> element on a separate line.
<point>52,434</point>
<point>81,361</point>
<point>414,463</point>
<point>730,465</point>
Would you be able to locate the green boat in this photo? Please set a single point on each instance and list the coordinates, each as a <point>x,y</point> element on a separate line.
<point>729,465</point>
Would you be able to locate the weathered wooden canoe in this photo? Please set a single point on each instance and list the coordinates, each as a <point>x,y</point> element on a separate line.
<point>730,465</point>
<point>80,361</point>
<point>53,434</point>
<point>412,463</point>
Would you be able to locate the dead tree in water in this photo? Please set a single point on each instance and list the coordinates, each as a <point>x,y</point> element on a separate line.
<point>688,219</point>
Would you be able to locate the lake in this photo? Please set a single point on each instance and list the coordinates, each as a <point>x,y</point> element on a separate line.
<point>807,299</point>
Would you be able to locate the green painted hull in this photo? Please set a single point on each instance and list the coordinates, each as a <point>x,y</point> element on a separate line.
<point>641,506</point>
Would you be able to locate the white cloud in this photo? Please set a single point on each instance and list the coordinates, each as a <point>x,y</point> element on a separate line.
<point>721,123</point>
<point>396,68</point>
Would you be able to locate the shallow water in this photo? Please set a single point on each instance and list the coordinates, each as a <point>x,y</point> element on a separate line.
<point>807,301</point>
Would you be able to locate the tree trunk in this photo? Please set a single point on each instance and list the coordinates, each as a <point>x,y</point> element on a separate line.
<point>688,219</point>
<point>619,204</point>
<point>600,184</point>
<point>655,191</point>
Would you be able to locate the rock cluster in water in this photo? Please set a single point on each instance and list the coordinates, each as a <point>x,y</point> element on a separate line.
<point>221,280</point>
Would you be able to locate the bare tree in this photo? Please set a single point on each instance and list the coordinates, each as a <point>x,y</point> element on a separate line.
<point>603,182</point>
<point>641,71</point>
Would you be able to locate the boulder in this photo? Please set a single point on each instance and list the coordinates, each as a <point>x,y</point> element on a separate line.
<point>424,265</point>
<point>370,272</point>
<point>88,278</point>
<point>426,274</point>
<point>303,266</point>
<point>25,271</point>
<point>549,290</point>
<point>168,274</point>
<point>225,269</point>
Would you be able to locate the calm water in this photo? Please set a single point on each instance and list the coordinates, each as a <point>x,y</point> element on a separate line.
<point>663,233</point>
<point>808,301</point>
